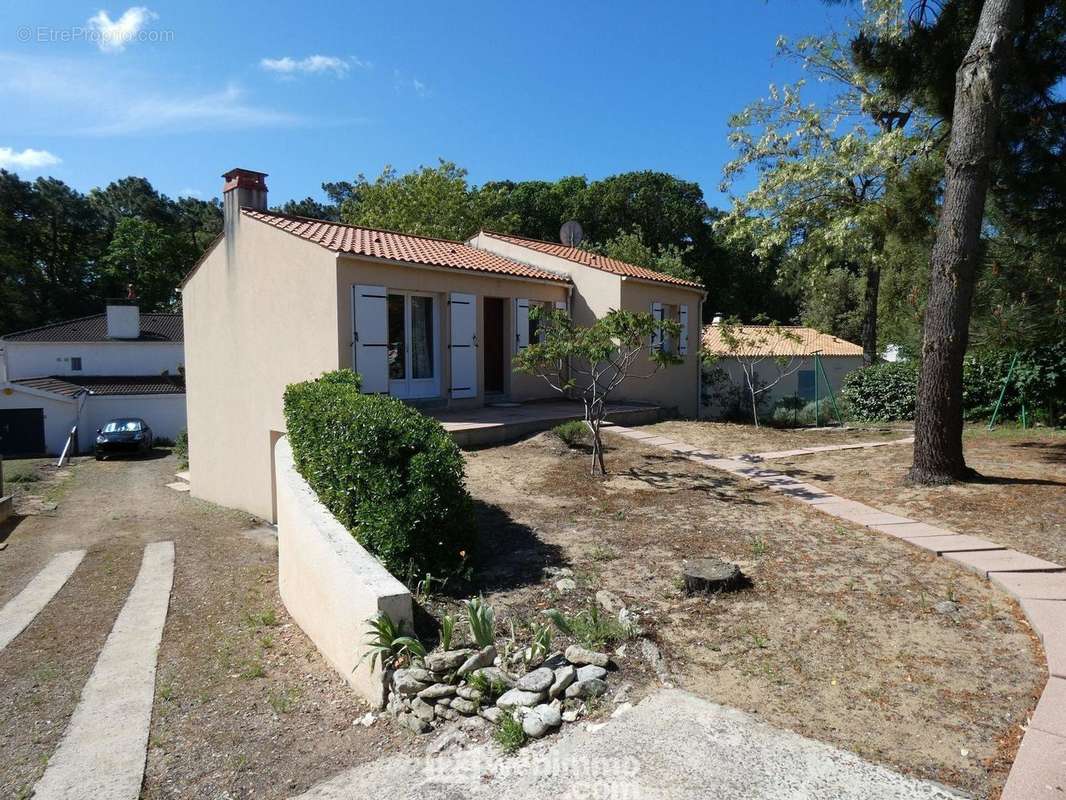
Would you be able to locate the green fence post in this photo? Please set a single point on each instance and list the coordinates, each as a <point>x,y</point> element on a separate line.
<point>1002,392</point>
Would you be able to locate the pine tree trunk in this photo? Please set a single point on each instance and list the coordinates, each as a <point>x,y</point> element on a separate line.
<point>938,456</point>
<point>869,320</point>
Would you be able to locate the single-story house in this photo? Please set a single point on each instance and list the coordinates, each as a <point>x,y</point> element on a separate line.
<point>785,355</point>
<point>81,373</point>
<point>279,299</point>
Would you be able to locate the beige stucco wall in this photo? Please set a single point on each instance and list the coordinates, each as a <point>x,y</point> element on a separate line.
<point>836,369</point>
<point>330,585</point>
<point>252,326</point>
<point>354,271</point>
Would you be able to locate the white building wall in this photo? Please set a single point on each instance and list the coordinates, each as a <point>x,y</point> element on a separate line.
<point>164,413</point>
<point>836,369</point>
<point>60,414</point>
<point>38,359</point>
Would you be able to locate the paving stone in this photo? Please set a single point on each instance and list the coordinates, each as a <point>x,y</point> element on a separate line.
<point>868,516</point>
<point>1050,714</point>
<point>958,543</point>
<point>808,493</point>
<point>1039,771</point>
<point>912,529</point>
<point>1034,585</point>
<point>986,563</point>
<point>1048,618</point>
<point>179,486</point>
<point>659,441</point>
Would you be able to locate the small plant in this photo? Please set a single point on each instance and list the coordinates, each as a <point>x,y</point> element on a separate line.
<point>509,734</point>
<point>758,547</point>
<point>482,619</point>
<point>591,627</point>
<point>447,631</point>
<point>602,552</point>
<point>253,670</point>
<point>24,477</point>
<point>573,433</point>
<point>759,641</point>
<point>541,644</point>
<point>181,448</point>
<point>267,618</point>
<point>389,645</point>
<point>490,689</point>
<point>283,701</point>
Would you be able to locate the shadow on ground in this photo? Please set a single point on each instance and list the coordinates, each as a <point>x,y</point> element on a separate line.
<point>510,554</point>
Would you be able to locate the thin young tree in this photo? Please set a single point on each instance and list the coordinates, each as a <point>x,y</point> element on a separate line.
<point>938,455</point>
<point>593,363</point>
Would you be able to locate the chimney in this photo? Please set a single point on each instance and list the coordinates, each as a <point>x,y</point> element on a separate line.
<point>123,319</point>
<point>243,188</point>
<point>717,319</point>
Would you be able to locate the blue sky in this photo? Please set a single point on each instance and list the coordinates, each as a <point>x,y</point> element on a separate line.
<point>314,92</point>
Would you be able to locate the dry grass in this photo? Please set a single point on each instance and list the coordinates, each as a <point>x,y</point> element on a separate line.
<point>837,640</point>
<point>732,439</point>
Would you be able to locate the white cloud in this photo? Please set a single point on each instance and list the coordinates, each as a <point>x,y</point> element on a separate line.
<point>28,160</point>
<point>419,87</point>
<point>75,97</point>
<point>112,36</point>
<point>190,192</point>
<point>312,65</point>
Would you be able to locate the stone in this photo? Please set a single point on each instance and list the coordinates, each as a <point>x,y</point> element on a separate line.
<point>540,720</point>
<point>448,740</point>
<point>413,723</point>
<point>517,697</point>
<point>566,585</point>
<point>437,691</point>
<point>590,671</point>
<point>712,575</point>
<point>539,680</point>
<point>571,714</point>
<point>609,601</point>
<point>564,676</point>
<point>405,684</point>
<point>366,720</point>
<point>580,656</point>
<point>465,707</point>
<point>492,714</point>
<point>558,572</point>
<point>444,701</point>
<point>482,658</point>
<point>650,651</point>
<point>474,724</point>
<point>496,675</point>
<point>621,694</point>
<point>586,690</point>
<point>445,713</point>
<point>468,693</point>
<point>555,660</point>
<point>421,709</point>
<point>447,660</point>
<point>422,675</point>
<point>946,607</point>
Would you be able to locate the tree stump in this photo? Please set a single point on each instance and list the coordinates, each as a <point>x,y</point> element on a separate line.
<point>712,575</point>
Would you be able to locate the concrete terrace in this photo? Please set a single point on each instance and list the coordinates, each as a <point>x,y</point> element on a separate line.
<point>494,424</point>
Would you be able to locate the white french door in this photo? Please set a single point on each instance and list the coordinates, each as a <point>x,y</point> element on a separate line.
<point>413,346</point>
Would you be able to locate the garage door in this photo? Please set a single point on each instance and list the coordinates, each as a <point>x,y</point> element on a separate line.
<point>22,432</point>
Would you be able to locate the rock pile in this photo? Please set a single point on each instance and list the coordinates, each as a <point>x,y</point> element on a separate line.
<point>445,688</point>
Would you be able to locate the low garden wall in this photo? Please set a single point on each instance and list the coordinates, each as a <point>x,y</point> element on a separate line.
<point>330,585</point>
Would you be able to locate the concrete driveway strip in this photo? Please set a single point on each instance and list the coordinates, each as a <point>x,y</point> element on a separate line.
<point>27,604</point>
<point>102,753</point>
<point>672,746</point>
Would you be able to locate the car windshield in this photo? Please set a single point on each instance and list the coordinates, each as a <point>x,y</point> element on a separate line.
<point>124,426</point>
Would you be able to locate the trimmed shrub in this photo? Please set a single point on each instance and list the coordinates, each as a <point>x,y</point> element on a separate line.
<point>573,433</point>
<point>392,476</point>
<point>181,447</point>
<point>882,391</point>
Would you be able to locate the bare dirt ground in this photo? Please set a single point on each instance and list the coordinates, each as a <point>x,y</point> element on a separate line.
<point>838,638</point>
<point>245,707</point>
<point>733,439</point>
<point>1019,502</point>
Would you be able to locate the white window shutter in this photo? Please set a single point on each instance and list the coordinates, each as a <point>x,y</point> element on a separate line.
<point>657,334</point>
<point>521,324</point>
<point>462,314</point>
<point>371,337</point>
<point>682,317</point>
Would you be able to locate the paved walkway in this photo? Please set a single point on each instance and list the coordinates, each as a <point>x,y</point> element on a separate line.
<point>671,746</point>
<point>1039,770</point>
<point>20,611</point>
<point>826,448</point>
<point>102,753</point>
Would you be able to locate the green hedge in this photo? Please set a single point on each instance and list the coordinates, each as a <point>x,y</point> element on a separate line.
<point>882,391</point>
<point>391,475</point>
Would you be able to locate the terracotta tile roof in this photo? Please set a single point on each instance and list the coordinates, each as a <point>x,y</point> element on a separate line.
<point>762,341</point>
<point>155,327</point>
<point>400,246</point>
<point>72,386</point>
<point>593,260</point>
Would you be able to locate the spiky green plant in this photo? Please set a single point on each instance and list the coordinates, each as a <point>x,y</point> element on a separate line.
<point>447,631</point>
<point>389,645</point>
<point>482,619</point>
<point>509,734</point>
<point>541,643</point>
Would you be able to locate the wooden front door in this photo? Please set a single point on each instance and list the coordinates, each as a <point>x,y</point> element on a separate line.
<point>495,352</point>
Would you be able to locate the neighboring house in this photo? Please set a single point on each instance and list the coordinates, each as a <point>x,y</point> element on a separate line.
<point>279,299</point>
<point>83,372</point>
<point>779,354</point>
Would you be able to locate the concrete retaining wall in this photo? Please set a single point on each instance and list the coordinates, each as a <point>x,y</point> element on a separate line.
<point>330,585</point>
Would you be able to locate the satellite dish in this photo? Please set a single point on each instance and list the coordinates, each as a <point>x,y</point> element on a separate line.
<point>571,234</point>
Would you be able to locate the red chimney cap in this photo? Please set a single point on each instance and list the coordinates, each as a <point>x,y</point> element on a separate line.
<point>244,179</point>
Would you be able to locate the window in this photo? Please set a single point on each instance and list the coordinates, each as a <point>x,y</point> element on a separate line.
<point>805,384</point>
<point>397,338</point>
<point>421,337</point>
<point>75,363</point>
